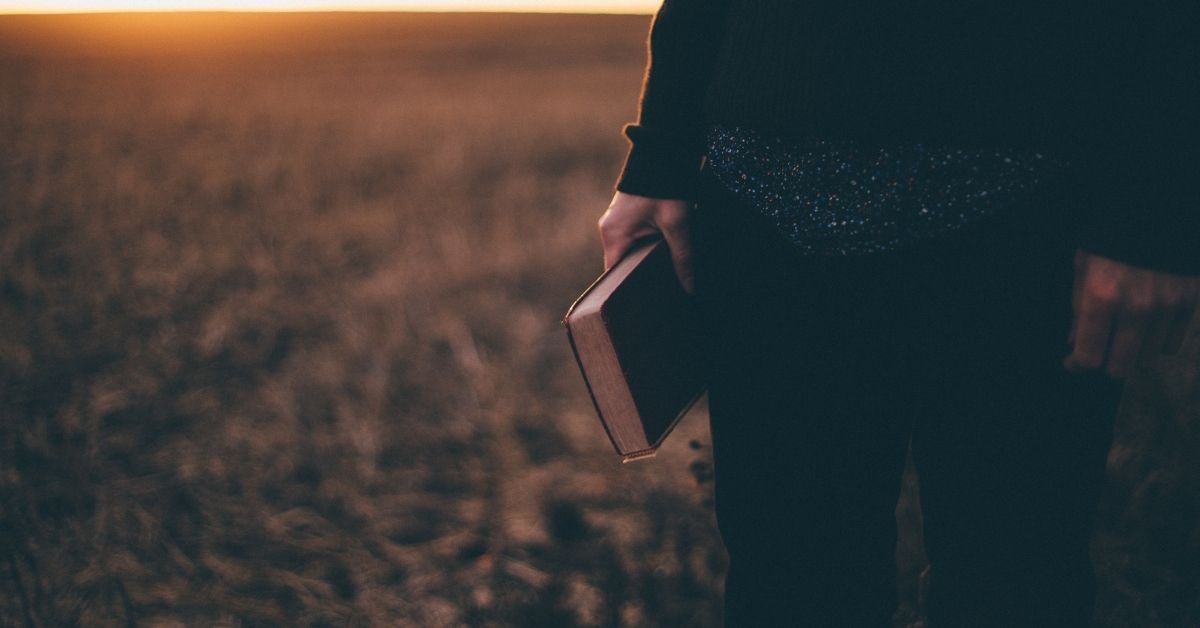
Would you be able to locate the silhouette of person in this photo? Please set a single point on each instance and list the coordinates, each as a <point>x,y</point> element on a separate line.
<point>954,225</point>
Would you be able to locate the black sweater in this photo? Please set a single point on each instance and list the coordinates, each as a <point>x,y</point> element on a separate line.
<point>1112,86</point>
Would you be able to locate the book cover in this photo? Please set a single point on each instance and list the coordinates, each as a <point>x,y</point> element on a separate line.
<point>636,336</point>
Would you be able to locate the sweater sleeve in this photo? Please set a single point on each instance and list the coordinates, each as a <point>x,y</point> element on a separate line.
<point>667,141</point>
<point>1145,189</point>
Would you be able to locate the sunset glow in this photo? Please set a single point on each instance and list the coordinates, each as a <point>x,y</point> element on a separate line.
<point>89,6</point>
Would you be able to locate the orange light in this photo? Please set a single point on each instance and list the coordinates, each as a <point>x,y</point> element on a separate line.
<point>550,6</point>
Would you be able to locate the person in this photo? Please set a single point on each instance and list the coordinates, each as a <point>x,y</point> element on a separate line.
<point>891,216</point>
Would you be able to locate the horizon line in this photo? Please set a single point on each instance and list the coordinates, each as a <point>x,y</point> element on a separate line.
<point>132,8</point>
<point>4,14</point>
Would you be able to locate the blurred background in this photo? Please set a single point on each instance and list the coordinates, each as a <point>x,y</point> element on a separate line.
<point>280,344</point>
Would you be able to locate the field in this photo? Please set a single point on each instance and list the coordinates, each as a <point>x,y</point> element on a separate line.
<point>280,342</point>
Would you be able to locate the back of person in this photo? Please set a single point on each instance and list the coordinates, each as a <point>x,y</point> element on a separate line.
<point>1108,86</point>
<point>893,215</point>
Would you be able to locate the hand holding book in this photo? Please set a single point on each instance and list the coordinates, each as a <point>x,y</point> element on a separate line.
<point>630,217</point>
<point>637,338</point>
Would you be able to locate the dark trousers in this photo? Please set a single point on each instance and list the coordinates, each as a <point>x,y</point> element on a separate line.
<point>825,369</point>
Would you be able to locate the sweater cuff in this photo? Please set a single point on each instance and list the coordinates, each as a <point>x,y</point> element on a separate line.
<point>1163,242</point>
<point>659,166</point>
<point>1143,216</point>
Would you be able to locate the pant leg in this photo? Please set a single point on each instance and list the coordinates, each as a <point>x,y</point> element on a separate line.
<point>807,406</point>
<point>1010,448</point>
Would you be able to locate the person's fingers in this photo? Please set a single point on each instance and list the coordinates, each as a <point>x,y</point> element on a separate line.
<point>1130,334</point>
<point>676,229</point>
<point>1176,329</point>
<point>1093,322</point>
<point>1138,308</point>
<point>1157,330</point>
<point>1136,312</point>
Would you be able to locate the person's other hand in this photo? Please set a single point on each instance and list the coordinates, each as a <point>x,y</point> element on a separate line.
<point>1133,306</point>
<point>630,217</point>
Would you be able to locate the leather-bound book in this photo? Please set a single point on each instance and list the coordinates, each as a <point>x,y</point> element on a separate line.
<point>636,336</point>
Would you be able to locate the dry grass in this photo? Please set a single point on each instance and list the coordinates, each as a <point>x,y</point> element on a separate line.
<point>279,339</point>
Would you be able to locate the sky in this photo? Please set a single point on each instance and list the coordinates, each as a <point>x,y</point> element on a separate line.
<point>588,6</point>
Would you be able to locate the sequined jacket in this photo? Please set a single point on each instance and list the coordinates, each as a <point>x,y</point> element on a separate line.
<point>1114,86</point>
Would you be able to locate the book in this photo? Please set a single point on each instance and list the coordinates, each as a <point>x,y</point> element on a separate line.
<point>636,336</point>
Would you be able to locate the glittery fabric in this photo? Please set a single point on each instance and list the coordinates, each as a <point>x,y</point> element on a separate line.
<point>842,198</point>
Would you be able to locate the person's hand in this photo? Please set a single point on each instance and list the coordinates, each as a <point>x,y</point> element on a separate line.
<point>1135,307</point>
<point>630,217</point>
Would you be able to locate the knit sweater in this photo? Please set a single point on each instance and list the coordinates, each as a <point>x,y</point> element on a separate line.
<point>1112,86</point>
<point>840,198</point>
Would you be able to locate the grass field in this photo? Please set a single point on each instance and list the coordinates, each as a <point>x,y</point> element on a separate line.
<point>280,343</point>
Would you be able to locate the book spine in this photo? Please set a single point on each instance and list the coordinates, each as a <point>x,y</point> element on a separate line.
<point>625,457</point>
